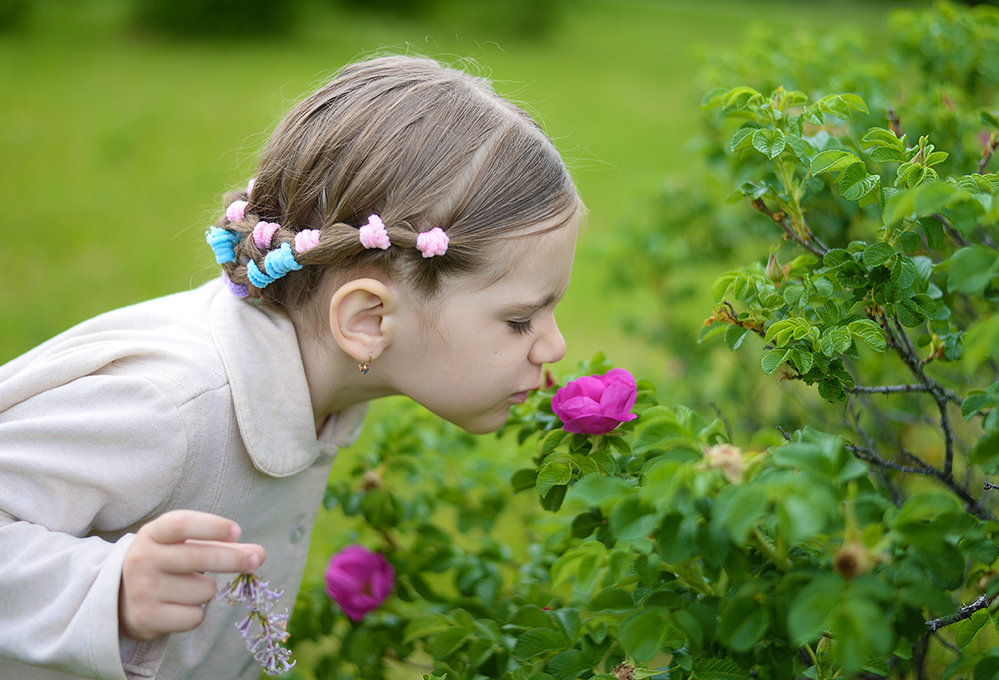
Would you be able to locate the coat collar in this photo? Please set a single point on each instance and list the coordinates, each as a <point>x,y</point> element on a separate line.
<point>259,349</point>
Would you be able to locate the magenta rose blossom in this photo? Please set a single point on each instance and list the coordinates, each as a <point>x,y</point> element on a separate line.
<point>596,404</point>
<point>359,580</point>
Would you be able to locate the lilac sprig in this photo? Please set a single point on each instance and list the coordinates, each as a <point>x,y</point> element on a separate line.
<point>264,631</point>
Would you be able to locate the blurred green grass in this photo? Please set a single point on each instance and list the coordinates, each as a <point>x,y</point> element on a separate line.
<point>119,144</point>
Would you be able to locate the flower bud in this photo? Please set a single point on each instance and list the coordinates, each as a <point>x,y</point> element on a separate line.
<point>853,559</point>
<point>728,459</point>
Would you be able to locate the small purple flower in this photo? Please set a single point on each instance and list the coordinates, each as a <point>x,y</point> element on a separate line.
<point>596,404</point>
<point>359,580</point>
<point>263,630</point>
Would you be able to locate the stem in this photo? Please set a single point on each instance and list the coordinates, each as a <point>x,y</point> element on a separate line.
<point>780,219</point>
<point>951,231</point>
<point>761,542</point>
<point>894,123</point>
<point>987,151</point>
<point>963,613</point>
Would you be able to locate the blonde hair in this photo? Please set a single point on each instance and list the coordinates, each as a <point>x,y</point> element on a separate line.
<point>421,145</point>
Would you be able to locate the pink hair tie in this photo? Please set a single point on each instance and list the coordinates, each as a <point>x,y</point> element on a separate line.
<point>236,211</point>
<point>263,233</point>
<point>433,242</point>
<point>373,234</point>
<point>306,240</point>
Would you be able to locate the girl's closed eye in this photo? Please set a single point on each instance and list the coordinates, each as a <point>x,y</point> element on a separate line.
<point>520,327</point>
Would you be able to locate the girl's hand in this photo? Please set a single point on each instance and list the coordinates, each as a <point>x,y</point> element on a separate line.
<point>163,584</point>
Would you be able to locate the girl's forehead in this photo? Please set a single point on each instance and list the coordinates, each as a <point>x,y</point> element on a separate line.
<point>541,247</point>
<point>541,257</point>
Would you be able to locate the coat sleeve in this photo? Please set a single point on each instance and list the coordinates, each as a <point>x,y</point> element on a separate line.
<point>82,466</point>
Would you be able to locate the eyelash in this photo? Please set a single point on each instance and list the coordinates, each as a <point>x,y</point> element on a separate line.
<point>520,327</point>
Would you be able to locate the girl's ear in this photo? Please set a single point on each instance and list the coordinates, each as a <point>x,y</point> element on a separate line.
<point>358,310</point>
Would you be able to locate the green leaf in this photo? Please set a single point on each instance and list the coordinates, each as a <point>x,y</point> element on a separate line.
<point>742,139</point>
<point>601,490</point>
<point>985,452</point>
<point>525,478</point>
<point>738,508</point>
<point>642,634</point>
<point>538,641</point>
<point>770,143</point>
<point>870,332</point>
<point>968,629</point>
<point>810,611</point>
<point>424,625</point>
<point>734,336</point>
<point>987,669</point>
<point>631,519</point>
<point>877,254</point>
<point>718,669</point>
<point>855,182</point>
<point>933,196</point>
<point>554,472</point>
<point>773,359</point>
<point>832,161</point>
<point>742,622</point>
<point>971,269</point>
<point>975,402</point>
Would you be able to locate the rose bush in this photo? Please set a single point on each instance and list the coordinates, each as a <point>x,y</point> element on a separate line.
<point>359,580</point>
<point>596,404</point>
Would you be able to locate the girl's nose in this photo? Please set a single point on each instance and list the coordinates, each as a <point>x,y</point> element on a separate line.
<point>549,346</point>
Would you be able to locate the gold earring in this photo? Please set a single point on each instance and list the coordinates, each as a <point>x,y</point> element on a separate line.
<point>365,366</point>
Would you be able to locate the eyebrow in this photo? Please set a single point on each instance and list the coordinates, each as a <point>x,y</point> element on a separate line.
<point>529,307</point>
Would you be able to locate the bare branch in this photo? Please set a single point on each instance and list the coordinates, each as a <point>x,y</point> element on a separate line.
<point>963,613</point>
<point>970,503</point>
<point>889,389</point>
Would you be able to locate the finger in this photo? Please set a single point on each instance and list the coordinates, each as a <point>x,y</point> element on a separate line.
<point>191,557</point>
<point>178,526</point>
<point>183,589</point>
<point>172,618</point>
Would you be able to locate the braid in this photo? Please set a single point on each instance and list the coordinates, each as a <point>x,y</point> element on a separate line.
<point>447,165</point>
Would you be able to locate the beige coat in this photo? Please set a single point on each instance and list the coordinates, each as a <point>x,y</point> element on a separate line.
<point>197,400</point>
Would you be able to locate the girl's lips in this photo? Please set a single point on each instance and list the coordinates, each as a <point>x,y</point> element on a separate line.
<point>520,397</point>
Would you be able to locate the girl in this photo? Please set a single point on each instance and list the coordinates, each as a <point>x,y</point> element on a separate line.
<point>408,232</point>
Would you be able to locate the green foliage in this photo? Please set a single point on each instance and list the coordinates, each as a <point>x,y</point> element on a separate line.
<point>669,551</point>
<point>861,543</point>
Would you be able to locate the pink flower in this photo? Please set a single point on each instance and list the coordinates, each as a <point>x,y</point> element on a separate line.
<point>433,242</point>
<point>596,404</point>
<point>373,234</point>
<point>359,580</point>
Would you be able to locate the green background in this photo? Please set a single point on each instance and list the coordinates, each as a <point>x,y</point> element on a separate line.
<point>118,142</point>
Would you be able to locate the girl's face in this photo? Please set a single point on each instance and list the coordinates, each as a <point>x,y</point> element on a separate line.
<point>483,348</point>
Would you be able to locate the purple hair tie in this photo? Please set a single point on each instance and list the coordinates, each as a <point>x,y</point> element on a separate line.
<point>237,289</point>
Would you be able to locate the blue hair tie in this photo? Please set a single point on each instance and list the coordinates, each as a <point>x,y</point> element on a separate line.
<point>257,277</point>
<point>281,261</point>
<point>223,243</point>
<point>277,263</point>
